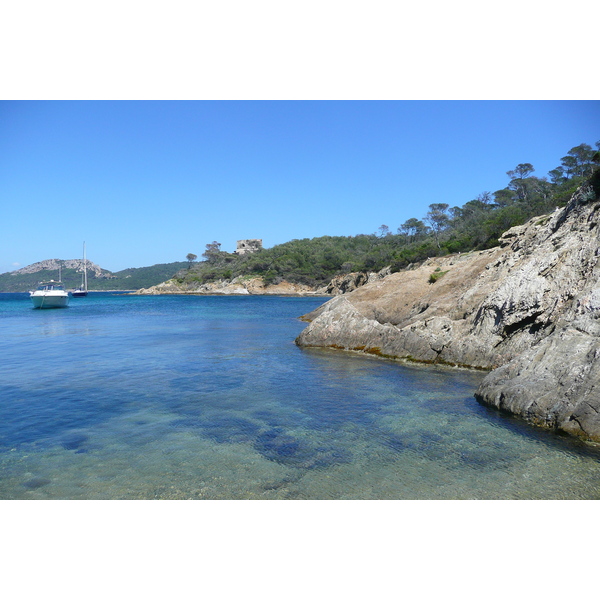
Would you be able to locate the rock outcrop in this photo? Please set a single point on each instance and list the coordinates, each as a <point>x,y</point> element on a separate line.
<point>529,309</point>
<point>342,284</point>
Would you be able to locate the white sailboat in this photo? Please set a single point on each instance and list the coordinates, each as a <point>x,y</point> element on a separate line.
<point>83,289</point>
<point>50,294</point>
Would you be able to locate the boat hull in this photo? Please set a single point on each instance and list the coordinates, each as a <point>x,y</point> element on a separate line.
<point>79,293</point>
<point>50,300</point>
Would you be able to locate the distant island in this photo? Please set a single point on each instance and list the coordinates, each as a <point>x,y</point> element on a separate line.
<point>99,279</point>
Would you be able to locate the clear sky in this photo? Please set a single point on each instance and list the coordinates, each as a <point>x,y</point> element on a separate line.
<point>146,182</point>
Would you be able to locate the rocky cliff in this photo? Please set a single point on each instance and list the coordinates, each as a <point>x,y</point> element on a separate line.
<point>529,310</point>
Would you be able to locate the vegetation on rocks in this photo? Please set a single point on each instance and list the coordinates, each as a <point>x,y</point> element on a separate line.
<point>444,230</point>
<point>437,274</point>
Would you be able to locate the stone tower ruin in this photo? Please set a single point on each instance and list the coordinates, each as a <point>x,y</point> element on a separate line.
<point>248,246</point>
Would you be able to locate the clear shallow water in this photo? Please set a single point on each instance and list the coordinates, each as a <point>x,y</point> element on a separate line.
<point>127,397</point>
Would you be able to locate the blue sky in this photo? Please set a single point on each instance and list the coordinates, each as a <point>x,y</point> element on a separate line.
<point>145,182</point>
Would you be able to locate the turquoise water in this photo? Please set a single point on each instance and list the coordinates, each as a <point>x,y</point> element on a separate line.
<point>134,397</point>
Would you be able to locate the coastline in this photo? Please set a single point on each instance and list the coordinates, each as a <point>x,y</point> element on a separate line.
<point>528,311</point>
<point>240,294</point>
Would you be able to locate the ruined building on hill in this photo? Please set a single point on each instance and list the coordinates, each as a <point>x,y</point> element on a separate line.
<point>248,246</point>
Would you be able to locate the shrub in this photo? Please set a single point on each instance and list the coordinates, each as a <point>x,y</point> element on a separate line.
<point>437,274</point>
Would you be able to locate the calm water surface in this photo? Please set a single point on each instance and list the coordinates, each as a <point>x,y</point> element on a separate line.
<point>127,397</point>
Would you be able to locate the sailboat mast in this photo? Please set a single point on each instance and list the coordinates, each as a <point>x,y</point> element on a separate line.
<point>84,268</point>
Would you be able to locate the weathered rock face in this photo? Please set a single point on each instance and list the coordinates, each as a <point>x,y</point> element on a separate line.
<point>529,309</point>
<point>342,284</point>
<point>556,381</point>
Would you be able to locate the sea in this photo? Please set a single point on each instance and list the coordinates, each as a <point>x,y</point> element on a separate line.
<point>124,397</point>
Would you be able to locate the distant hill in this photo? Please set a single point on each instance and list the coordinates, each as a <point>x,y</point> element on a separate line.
<point>99,279</point>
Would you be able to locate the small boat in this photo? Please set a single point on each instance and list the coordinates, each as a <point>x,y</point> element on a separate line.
<point>83,290</point>
<point>50,294</point>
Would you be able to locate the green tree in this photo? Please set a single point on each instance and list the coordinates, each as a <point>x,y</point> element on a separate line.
<point>557,175</point>
<point>518,180</point>
<point>503,198</point>
<point>191,258</point>
<point>485,198</point>
<point>569,166</point>
<point>412,229</point>
<point>212,252</point>
<point>582,158</point>
<point>521,171</point>
<point>383,230</point>
<point>438,219</point>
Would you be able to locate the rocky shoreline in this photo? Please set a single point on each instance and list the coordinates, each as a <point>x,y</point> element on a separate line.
<point>236,287</point>
<point>341,284</point>
<point>528,310</point>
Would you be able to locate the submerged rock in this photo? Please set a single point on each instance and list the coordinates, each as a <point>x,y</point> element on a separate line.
<point>73,440</point>
<point>36,482</point>
<point>530,309</point>
<point>277,445</point>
